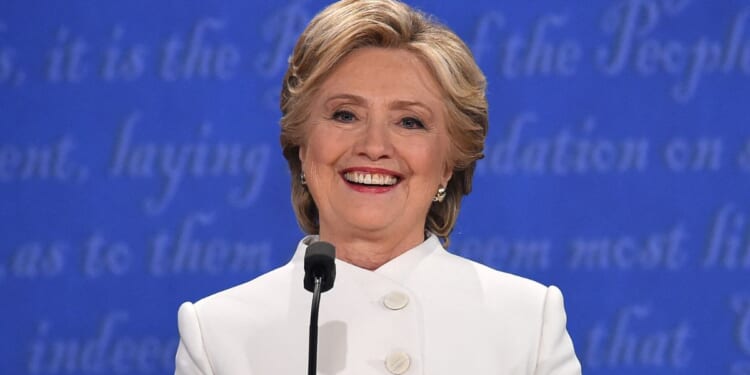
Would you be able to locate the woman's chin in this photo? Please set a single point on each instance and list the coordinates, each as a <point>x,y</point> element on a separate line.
<point>368,220</point>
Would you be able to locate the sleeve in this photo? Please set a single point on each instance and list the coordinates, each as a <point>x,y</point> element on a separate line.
<point>191,358</point>
<point>556,354</point>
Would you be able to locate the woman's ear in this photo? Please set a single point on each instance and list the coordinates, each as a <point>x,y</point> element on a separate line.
<point>447,174</point>
<point>301,153</point>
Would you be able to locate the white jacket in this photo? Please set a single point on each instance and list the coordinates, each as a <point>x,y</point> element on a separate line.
<point>426,312</point>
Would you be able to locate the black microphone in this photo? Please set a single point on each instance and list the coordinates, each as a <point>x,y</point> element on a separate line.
<point>320,272</point>
<point>319,262</point>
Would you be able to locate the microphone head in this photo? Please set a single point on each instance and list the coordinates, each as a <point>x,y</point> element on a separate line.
<point>320,262</point>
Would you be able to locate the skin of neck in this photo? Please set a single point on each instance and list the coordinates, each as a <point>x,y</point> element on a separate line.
<point>370,249</point>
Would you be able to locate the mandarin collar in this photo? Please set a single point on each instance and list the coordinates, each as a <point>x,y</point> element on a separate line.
<point>397,269</point>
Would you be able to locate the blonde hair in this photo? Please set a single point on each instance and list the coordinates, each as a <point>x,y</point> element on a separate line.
<point>350,24</point>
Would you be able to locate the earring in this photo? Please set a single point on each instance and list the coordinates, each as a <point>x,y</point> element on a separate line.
<point>440,195</point>
<point>302,178</point>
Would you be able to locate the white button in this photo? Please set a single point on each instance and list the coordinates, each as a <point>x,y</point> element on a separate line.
<point>397,363</point>
<point>396,300</point>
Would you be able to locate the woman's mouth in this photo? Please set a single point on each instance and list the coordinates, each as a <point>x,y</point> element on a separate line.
<point>370,180</point>
<point>375,179</point>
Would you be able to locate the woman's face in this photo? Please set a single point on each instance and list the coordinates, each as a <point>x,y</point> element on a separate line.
<point>377,146</point>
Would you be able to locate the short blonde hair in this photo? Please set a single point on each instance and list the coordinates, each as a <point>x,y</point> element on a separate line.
<point>350,24</point>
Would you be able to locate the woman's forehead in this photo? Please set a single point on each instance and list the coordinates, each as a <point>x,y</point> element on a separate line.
<point>395,75</point>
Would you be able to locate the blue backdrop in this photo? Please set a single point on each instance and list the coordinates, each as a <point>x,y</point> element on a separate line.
<point>140,167</point>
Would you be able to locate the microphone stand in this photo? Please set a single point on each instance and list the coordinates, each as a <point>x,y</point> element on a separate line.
<point>312,359</point>
<point>320,272</point>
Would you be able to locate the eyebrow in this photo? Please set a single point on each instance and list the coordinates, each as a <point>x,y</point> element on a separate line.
<point>407,103</point>
<point>355,98</point>
<point>396,104</point>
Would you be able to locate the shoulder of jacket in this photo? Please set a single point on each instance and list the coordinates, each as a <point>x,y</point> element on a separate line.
<point>499,283</point>
<point>261,291</point>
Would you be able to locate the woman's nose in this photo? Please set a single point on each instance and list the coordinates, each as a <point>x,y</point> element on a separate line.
<point>375,141</point>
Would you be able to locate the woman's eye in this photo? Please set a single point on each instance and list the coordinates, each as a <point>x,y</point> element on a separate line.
<point>411,123</point>
<point>344,116</point>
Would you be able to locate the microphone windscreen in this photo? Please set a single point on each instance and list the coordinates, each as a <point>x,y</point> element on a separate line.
<point>320,261</point>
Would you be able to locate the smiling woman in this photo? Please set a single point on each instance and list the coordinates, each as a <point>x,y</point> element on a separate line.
<point>384,116</point>
<point>447,70</point>
<point>359,125</point>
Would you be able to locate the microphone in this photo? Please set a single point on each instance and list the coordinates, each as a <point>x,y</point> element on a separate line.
<point>319,262</point>
<point>320,272</point>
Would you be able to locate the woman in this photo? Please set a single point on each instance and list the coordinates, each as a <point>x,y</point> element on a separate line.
<point>384,117</point>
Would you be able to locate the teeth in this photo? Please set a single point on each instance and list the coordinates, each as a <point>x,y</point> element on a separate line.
<point>370,178</point>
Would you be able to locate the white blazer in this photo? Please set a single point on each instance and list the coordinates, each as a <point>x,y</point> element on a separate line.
<point>425,312</point>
